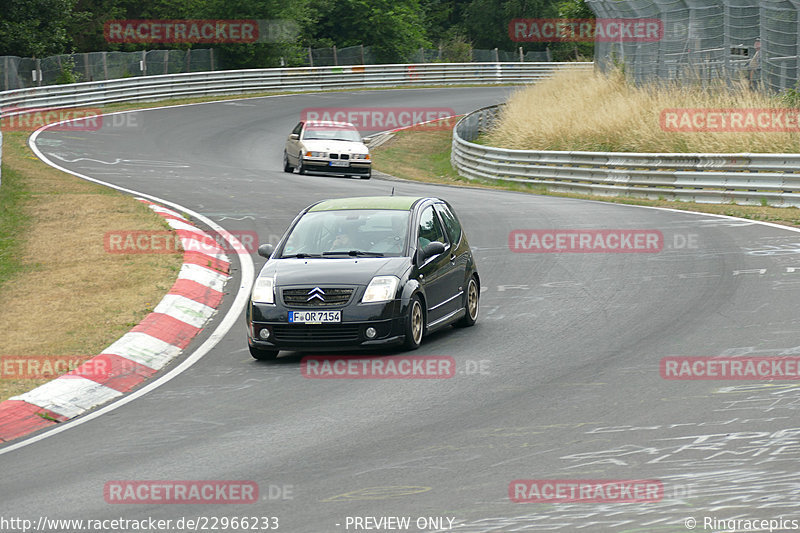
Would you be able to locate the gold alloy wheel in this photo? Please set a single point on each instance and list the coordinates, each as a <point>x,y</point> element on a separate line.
<point>416,322</point>
<point>472,299</point>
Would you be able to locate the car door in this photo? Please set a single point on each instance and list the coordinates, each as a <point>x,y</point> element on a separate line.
<point>458,255</point>
<point>293,145</point>
<point>435,272</point>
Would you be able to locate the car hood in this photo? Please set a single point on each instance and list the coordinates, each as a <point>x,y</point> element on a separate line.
<point>342,147</point>
<point>347,271</point>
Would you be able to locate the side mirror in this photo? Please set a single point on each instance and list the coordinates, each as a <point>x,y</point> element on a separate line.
<point>295,136</point>
<point>265,250</point>
<point>431,249</point>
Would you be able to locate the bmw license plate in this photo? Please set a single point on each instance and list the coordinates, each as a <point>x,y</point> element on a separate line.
<point>340,163</point>
<point>315,317</point>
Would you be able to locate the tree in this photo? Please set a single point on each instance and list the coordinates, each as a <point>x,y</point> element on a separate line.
<point>261,54</point>
<point>394,29</point>
<point>35,28</point>
<point>443,19</point>
<point>486,21</point>
<point>573,9</point>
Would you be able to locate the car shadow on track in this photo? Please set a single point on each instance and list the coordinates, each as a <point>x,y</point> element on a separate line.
<point>292,358</point>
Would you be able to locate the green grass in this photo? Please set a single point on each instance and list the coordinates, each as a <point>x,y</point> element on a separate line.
<point>13,222</point>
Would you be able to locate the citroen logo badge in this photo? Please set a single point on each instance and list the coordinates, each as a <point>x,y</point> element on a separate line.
<point>316,292</point>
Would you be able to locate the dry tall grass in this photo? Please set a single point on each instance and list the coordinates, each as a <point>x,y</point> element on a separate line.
<point>594,112</point>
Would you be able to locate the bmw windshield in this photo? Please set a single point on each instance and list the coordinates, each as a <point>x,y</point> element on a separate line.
<point>351,232</point>
<point>331,133</point>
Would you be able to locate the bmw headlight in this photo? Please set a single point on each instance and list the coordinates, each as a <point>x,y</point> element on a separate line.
<point>381,289</point>
<point>315,154</point>
<point>264,290</point>
<point>360,156</point>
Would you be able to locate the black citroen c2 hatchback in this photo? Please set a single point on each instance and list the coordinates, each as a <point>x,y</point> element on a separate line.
<point>363,273</point>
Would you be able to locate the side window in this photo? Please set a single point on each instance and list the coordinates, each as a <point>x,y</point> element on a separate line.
<point>451,224</point>
<point>430,229</point>
<point>297,129</point>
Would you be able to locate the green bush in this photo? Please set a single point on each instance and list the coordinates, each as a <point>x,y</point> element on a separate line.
<point>456,50</point>
<point>68,74</point>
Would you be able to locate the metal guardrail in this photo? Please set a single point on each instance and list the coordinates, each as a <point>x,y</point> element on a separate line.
<point>230,82</point>
<point>753,179</point>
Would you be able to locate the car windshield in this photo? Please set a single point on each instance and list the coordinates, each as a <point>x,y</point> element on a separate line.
<point>331,133</point>
<point>347,233</point>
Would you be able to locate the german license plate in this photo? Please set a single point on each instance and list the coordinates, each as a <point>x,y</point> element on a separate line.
<point>315,317</point>
<point>340,163</point>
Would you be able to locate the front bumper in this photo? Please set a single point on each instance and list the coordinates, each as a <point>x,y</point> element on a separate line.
<point>356,166</point>
<point>386,318</point>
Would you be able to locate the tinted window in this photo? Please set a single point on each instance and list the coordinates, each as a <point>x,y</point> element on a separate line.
<point>429,228</point>
<point>451,225</point>
<point>298,128</point>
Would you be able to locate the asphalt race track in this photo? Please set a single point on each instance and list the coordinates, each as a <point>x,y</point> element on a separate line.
<point>558,380</point>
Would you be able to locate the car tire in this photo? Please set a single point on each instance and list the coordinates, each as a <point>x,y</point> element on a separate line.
<point>286,166</point>
<point>414,324</point>
<point>263,355</point>
<point>368,176</point>
<point>301,168</point>
<point>473,304</point>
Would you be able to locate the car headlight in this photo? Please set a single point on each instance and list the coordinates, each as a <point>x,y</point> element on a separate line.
<point>381,289</point>
<point>360,156</point>
<point>315,154</point>
<point>264,290</point>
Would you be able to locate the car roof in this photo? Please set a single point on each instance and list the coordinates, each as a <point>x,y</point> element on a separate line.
<point>399,203</point>
<point>332,123</point>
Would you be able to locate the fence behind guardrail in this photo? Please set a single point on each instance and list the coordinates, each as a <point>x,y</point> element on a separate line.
<point>22,72</point>
<point>755,41</point>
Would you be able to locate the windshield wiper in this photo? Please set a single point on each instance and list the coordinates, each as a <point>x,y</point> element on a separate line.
<point>301,255</point>
<point>355,253</point>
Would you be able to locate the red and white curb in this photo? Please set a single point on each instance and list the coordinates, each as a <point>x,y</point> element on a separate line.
<point>140,353</point>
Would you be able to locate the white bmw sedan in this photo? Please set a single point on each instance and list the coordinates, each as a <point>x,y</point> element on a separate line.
<point>325,146</point>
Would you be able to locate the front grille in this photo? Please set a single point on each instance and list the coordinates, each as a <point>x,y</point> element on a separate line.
<point>339,156</point>
<point>331,297</point>
<point>334,156</point>
<point>315,332</point>
<point>345,156</point>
